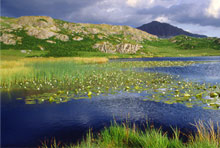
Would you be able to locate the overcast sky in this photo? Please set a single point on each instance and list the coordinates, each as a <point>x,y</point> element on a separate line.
<point>196,16</point>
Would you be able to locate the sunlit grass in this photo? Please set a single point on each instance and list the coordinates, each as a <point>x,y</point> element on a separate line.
<point>14,55</point>
<point>88,60</point>
<point>12,69</point>
<point>126,136</point>
<point>11,64</point>
<point>207,135</point>
<point>23,67</point>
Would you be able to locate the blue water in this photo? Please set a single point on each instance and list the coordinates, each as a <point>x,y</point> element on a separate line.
<point>26,125</point>
<point>205,58</point>
<point>206,72</point>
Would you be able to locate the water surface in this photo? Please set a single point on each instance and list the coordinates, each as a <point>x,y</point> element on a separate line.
<point>25,125</point>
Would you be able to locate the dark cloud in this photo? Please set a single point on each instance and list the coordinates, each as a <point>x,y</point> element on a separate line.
<point>55,8</point>
<point>117,12</point>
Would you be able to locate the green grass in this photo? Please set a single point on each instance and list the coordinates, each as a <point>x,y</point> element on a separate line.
<point>13,55</point>
<point>126,136</point>
<point>188,43</point>
<point>183,46</point>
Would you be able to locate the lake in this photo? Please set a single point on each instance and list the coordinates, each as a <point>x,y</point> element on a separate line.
<point>25,125</point>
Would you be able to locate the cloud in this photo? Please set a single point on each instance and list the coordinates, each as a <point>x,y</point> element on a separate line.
<point>214,9</point>
<point>54,8</point>
<point>187,13</point>
<point>162,19</point>
<point>132,3</point>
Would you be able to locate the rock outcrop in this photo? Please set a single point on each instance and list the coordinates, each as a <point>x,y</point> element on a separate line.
<point>105,38</point>
<point>9,39</point>
<point>40,33</point>
<point>62,37</point>
<point>128,48</point>
<point>77,38</point>
<point>120,48</point>
<point>52,42</point>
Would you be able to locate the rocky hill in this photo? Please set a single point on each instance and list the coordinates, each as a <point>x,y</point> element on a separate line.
<point>62,38</point>
<point>164,30</point>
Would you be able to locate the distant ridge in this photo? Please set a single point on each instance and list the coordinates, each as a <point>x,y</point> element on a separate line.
<point>165,30</point>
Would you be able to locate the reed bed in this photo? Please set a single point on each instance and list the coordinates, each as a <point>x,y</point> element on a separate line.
<point>12,69</point>
<point>207,135</point>
<point>89,60</point>
<point>22,68</point>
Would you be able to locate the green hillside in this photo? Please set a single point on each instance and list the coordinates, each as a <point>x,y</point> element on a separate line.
<point>59,38</point>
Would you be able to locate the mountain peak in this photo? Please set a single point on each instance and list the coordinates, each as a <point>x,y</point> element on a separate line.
<point>156,22</point>
<point>165,30</point>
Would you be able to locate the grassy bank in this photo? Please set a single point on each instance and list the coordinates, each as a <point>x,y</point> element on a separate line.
<point>128,136</point>
<point>181,46</point>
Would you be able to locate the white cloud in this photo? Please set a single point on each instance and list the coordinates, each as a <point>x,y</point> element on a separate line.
<point>132,3</point>
<point>151,1</point>
<point>140,3</point>
<point>214,9</point>
<point>162,19</point>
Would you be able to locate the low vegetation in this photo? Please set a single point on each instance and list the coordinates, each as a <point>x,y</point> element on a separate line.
<point>182,46</point>
<point>127,136</point>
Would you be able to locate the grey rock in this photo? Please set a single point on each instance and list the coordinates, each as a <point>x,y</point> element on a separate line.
<point>121,48</point>
<point>9,39</point>
<point>52,42</point>
<point>62,37</point>
<point>77,38</point>
<point>40,33</point>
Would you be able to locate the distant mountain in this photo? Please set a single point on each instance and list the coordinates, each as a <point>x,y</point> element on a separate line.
<point>164,30</point>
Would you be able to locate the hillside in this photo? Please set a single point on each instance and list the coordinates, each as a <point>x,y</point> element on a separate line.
<point>164,30</point>
<point>62,38</point>
<point>51,37</point>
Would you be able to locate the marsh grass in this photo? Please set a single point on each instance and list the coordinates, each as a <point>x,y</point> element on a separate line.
<point>23,67</point>
<point>89,60</point>
<point>129,135</point>
<point>27,69</point>
<point>207,135</point>
<point>12,69</point>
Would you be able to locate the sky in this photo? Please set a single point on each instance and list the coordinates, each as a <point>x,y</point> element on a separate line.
<point>196,16</point>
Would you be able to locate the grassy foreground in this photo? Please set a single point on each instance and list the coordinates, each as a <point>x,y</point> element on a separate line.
<point>117,136</point>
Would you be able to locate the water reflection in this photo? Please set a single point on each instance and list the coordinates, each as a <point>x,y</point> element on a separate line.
<point>205,72</point>
<point>205,58</point>
<point>24,125</point>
